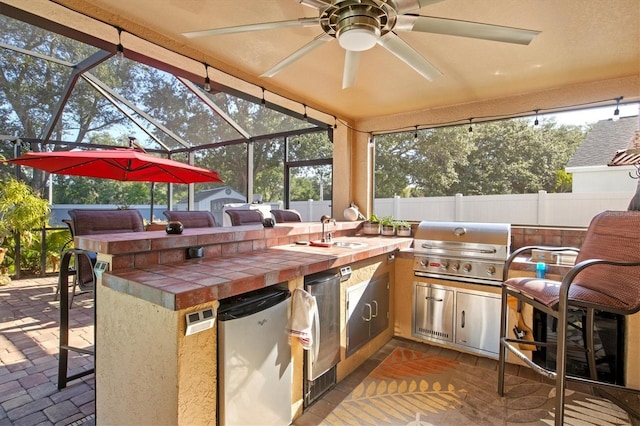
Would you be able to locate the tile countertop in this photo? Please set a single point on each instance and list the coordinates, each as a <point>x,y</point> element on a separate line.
<point>188,283</point>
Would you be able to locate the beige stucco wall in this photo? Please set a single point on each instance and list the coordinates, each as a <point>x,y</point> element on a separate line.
<point>144,356</point>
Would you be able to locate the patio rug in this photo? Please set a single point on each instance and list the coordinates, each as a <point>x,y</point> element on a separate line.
<point>417,389</point>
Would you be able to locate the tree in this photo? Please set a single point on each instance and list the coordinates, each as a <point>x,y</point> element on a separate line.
<point>501,157</point>
<point>419,166</point>
<point>511,157</point>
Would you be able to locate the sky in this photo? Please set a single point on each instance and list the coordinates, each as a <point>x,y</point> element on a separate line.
<point>593,115</point>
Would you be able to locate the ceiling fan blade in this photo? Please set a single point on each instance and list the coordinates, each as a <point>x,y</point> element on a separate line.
<point>315,43</point>
<point>351,64</point>
<point>404,6</point>
<point>301,22</point>
<point>408,55</point>
<point>429,24</point>
<point>316,4</point>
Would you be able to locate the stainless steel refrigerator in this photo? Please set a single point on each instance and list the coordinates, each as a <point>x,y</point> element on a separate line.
<point>254,359</point>
<point>321,359</point>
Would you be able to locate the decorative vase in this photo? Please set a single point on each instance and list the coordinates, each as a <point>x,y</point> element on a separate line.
<point>371,228</point>
<point>388,230</point>
<point>403,232</point>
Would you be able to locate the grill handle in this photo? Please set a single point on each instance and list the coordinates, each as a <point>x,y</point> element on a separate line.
<point>461,249</point>
<point>435,299</point>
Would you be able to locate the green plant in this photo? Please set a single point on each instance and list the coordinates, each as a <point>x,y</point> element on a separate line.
<point>21,210</point>
<point>373,218</point>
<point>402,224</point>
<point>387,221</point>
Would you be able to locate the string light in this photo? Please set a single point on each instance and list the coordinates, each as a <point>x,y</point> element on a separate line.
<point>470,126</point>
<point>335,122</point>
<point>207,82</point>
<point>119,47</point>
<point>263,102</point>
<point>415,135</point>
<point>536,122</point>
<point>305,117</point>
<point>616,113</point>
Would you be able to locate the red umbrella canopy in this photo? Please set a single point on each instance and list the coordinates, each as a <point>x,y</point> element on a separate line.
<point>117,164</point>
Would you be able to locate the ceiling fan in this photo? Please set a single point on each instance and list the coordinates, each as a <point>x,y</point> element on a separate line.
<point>359,25</point>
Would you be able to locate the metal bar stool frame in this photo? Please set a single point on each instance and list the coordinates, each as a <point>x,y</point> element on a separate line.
<point>64,347</point>
<point>537,292</point>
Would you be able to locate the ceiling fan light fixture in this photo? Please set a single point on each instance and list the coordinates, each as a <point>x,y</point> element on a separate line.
<point>358,32</point>
<point>357,39</point>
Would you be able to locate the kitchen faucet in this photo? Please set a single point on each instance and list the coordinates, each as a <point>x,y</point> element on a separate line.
<point>325,220</point>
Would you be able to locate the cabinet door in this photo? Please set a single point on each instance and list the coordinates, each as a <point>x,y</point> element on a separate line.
<point>478,321</point>
<point>378,296</point>
<point>359,315</point>
<point>433,312</point>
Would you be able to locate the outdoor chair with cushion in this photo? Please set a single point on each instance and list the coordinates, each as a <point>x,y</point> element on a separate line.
<point>92,222</point>
<point>192,219</point>
<point>605,278</point>
<point>245,217</point>
<point>286,216</point>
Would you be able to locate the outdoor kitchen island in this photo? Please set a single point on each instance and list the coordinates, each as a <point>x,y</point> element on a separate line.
<point>147,370</point>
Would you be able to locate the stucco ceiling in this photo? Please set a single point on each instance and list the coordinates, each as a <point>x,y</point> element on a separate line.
<point>580,42</point>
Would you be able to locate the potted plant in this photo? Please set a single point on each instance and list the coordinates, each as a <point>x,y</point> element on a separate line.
<point>388,227</point>
<point>403,228</point>
<point>372,226</point>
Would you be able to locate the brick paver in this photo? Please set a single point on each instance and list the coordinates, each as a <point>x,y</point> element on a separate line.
<point>29,321</point>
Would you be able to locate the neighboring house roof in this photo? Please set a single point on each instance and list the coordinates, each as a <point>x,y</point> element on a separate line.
<point>603,140</point>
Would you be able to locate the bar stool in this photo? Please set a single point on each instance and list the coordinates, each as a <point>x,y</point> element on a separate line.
<point>64,347</point>
<point>605,278</point>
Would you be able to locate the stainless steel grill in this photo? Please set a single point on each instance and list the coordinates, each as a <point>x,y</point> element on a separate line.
<point>462,251</point>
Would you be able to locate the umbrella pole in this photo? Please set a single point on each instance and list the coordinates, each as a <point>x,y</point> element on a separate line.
<point>153,187</point>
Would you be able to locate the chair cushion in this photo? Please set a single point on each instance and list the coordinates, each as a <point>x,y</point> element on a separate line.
<point>546,292</point>
<point>244,217</point>
<point>192,219</point>
<point>92,222</point>
<point>286,216</point>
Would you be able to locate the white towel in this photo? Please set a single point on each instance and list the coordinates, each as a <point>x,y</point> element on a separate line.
<point>303,312</point>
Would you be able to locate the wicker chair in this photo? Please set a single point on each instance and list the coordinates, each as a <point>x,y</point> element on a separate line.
<point>282,216</point>
<point>192,219</point>
<point>605,278</point>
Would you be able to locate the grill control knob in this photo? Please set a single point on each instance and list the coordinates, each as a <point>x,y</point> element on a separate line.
<point>466,267</point>
<point>491,270</point>
<point>424,262</point>
<point>444,265</point>
<point>455,267</point>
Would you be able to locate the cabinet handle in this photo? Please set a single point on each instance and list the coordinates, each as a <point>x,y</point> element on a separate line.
<point>363,317</point>
<point>463,319</point>
<point>375,303</point>
<point>435,299</point>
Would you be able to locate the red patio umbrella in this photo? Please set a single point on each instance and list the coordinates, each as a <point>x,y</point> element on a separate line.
<point>119,164</point>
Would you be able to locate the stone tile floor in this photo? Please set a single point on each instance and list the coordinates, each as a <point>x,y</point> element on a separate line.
<point>29,347</point>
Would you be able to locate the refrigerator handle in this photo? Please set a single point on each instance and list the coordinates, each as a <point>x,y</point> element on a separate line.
<point>316,328</point>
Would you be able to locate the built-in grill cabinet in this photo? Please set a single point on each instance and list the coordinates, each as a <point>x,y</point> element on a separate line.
<point>460,318</point>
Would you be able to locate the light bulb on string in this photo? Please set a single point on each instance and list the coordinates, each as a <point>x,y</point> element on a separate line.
<point>263,102</point>
<point>470,127</point>
<point>415,136</point>
<point>536,122</point>
<point>616,113</point>
<point>305,116</point>
<point>207,81</point>
<point>119,47</point>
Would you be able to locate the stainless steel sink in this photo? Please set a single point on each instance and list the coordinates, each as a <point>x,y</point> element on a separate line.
<point>348,244</point>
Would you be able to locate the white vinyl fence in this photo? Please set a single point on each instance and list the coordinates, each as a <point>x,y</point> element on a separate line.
<point>557,209</point>
<point>565,209</point>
